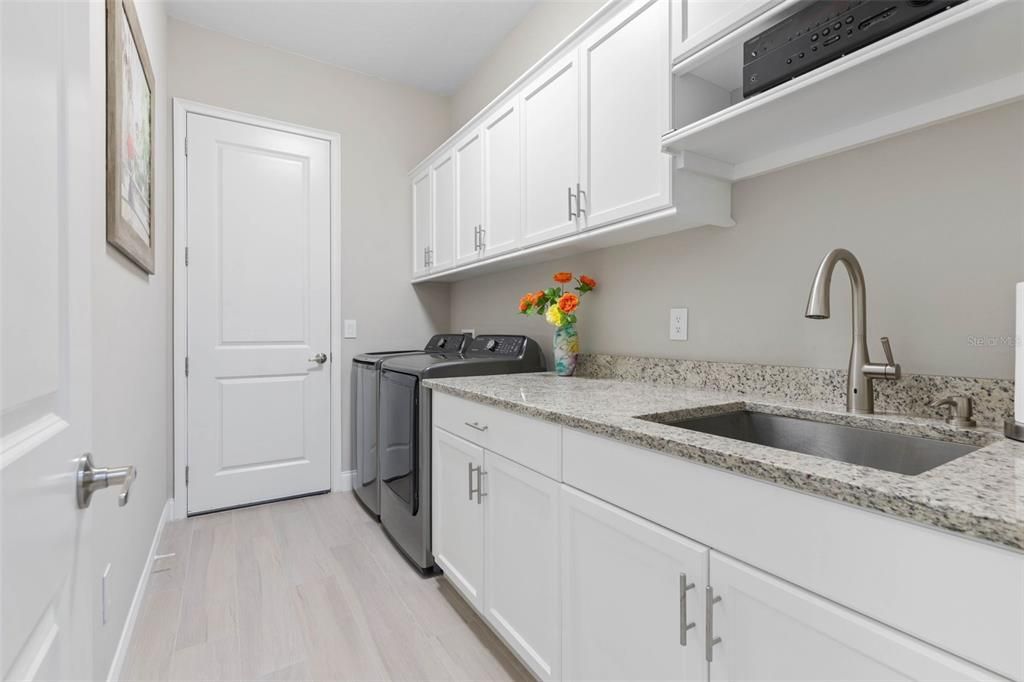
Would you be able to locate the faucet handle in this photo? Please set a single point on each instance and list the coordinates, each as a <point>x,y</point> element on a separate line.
<point>887,349</point>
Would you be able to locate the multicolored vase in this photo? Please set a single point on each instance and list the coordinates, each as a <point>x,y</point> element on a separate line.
<point>567,347</point>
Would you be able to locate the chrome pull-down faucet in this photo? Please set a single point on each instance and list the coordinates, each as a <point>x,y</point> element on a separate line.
<point>860,394</point>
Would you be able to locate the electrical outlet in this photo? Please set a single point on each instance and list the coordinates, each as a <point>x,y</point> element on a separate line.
<point>471,332</point>
<point>677,324</point>
<point>350,329</point>
<point>105,591</point>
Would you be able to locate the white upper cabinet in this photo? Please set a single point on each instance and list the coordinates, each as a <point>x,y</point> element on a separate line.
<point>421,230</point>
<point>632,596</point>
<point>626,94</point>
<point>457,521</point>
<point>772,630</point>
<point>442,183</point>
<point>469,200</point>
<point>696,23</point>
<point>550,112</point>
<point>503,182</point>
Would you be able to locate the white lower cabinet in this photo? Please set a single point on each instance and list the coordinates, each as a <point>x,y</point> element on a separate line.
<point>457,516</point>
<point>772,630</point>
<point>582,589</point>
<point>495,536</point>
<point>521,586</point>
<point>629,591</point>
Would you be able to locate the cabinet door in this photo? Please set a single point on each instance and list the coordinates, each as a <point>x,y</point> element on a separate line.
<point>521,562</point>
<point>697,23</point>
<point>421,230</point>
<point>772,630</point>
<point>626,109</point>
<point>468,198</point>
<point>458,517</point>
<point>551,148</point>
<point>503,195</point>
<point>623,581</point>
<point>442,183</point>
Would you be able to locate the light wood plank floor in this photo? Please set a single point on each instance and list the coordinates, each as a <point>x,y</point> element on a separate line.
<point>307,589</point>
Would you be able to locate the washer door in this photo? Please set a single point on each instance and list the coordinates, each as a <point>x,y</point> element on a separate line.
<point>397,444</point>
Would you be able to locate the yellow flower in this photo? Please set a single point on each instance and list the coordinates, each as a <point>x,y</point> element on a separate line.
<point>555,316</point>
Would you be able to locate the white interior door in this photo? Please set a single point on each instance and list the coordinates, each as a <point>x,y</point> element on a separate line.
<point>259,310</point>
<point>46,212</point>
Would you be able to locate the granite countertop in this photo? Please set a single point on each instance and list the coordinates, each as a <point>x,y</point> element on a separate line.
<point>980,495</point>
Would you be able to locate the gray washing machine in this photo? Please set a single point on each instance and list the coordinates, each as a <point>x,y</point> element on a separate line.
<point>365,412</point>
<point>405,429</point>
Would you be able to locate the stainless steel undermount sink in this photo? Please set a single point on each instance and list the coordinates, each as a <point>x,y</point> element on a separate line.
<point>908,455</point>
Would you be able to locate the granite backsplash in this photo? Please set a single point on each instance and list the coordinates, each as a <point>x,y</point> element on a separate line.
<point>911,395</point>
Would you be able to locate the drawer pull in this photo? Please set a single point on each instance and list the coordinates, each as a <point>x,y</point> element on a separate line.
<point>478,427</point>
<point>709,624</point>
<point>684,624</point>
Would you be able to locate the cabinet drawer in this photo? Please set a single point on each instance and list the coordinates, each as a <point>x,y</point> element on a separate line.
<point>531,442</point>
<point>961,595</point>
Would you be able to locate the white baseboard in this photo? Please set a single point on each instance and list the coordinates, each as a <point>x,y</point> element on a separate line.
<point>344,481</point>
<point>140,591</point>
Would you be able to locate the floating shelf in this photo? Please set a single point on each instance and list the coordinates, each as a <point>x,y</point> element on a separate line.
<point>965,59</point>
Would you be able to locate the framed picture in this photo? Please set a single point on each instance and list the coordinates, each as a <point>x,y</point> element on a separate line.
<point>130,88</point>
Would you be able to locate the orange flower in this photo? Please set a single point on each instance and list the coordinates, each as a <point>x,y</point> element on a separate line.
<point>590,282</point>
<point>525,302</point>
<point>563,277</point>
<point>538,296</point>
<point>568,303</point>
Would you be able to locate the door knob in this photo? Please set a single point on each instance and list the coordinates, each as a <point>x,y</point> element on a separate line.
<point>319,358</point>
<point>89,479</point>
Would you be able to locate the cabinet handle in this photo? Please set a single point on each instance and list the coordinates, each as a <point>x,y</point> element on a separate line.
<point>580,196</point>
<point>709,623</point>
<point>571,197</point>
<point>471,488</point>
<point>684,624</point>
<point>479,427</point>
<point>480,494</point>
<point>483,231</point>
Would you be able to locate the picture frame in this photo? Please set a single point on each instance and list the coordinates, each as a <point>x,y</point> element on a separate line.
<point>130,123</point>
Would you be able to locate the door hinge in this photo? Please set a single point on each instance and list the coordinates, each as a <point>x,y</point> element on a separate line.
<point>186,474</point>
<point>186,256</point>
<point>186,365</point>
<point>186,146</point>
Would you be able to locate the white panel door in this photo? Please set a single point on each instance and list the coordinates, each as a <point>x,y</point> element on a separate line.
<point>503,195</point>
<point>550,113</point>
<point>457,515</point>
<point>626,108</point>
<point>259,310</point>
<point>697,23</point>
<point>49,203</point>
<point>628,588</point>
<point>773,630</point>
<point>421,229</point>
<point>469,200</point>
<point>442,185</point>
<point>521,599</point>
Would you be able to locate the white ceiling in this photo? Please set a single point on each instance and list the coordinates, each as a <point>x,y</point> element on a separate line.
<point>430,44</point>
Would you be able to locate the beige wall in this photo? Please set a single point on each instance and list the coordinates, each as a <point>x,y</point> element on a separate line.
<point>131,348</point>
<point>935,216</point>
<point>385,130</point>
<point>541,29</point>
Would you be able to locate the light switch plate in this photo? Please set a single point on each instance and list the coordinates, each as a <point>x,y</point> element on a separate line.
<point>678,323</point>
<point>350,329</point>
